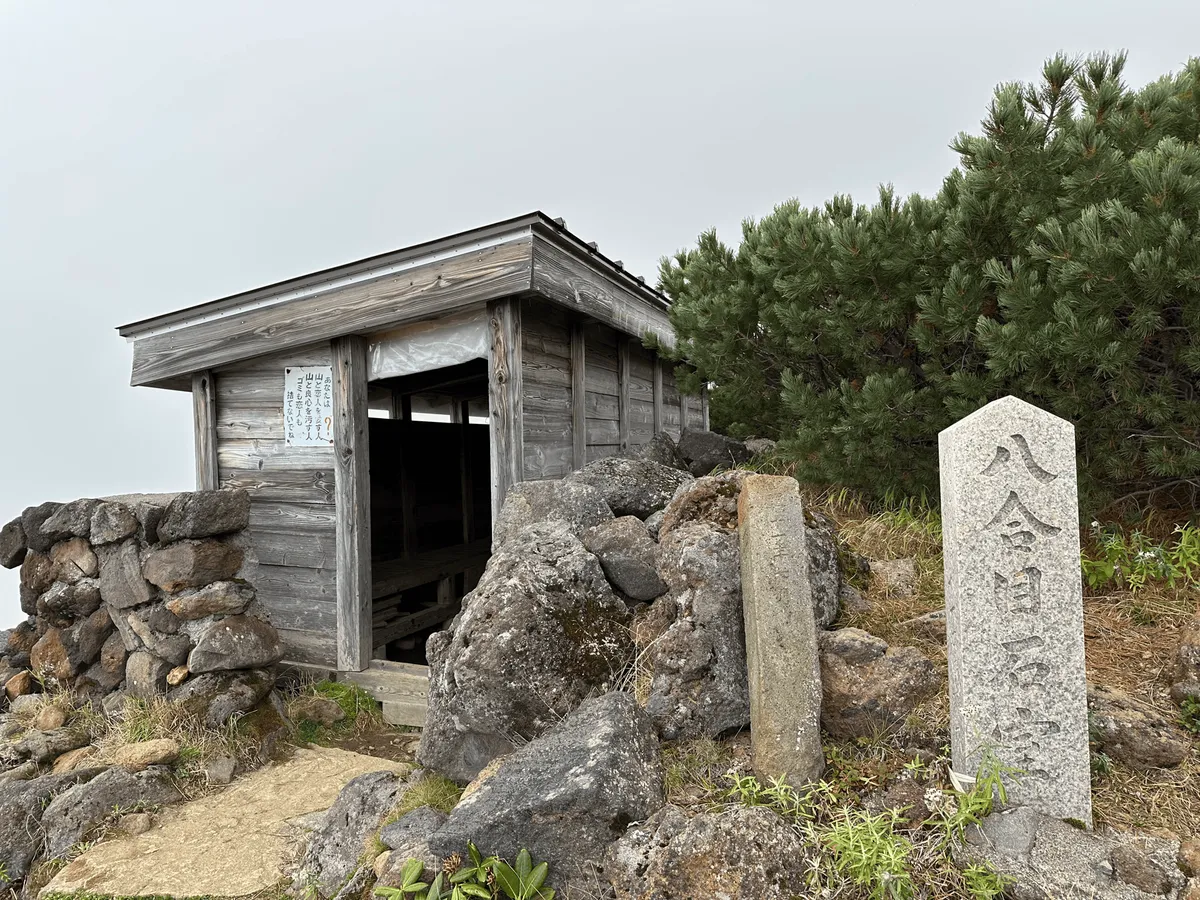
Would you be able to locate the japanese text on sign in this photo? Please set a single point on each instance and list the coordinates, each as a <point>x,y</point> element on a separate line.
<point>308,406</point>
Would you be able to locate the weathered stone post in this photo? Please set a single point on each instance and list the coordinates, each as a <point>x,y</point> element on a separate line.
<point>781,631</point>
<point>1014,603</point>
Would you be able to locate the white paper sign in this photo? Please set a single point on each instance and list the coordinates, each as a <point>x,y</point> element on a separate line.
<point>308,406</point>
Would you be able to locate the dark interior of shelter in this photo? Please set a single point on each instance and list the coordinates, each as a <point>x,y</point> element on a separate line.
<point>430,502</point>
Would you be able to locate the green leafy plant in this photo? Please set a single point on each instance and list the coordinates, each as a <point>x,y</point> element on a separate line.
<point>776,795</point>
<point>1189,716</point>
<point>485,878</point>
<point>524,880</point>
<point>1132,561</point>
<point>984,883</point>
<point>867,850</point>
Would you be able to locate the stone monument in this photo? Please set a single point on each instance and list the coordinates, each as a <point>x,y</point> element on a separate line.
<point>1014,604</point>
<point>781,632</point>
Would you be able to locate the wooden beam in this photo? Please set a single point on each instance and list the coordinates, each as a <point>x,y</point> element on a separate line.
<point>504,398</point>
<point>416,293</point>
<point>578,394</point>
<point>683,412</point>
<point>704,407</point>
<point>658,394</point>
<point>204,412</point>
<point>623,378</point>
<point>352,489</point>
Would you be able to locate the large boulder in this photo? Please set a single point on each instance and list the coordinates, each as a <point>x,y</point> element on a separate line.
<point>1186,675</point>
<point>699,683</point>
<point>541,632</point>
<point>711,499</point>
<point>336,845</point>
<point>566,795</point>
<point>577,506</point>
<point>43,747</point>
<point>662,449</point>
<point>146,674</point>
<point>66,603</point>
<point>735,854</point>
<point>628,556</point>
<point>868,687</point>
<point>707,450</point>
<point>191,564</point>
<point>236,642</point>
<point>79,812</point>
<point>63,653</point>
<point>632,487</point>
<point>1134,732</point>
<point>21,806</point>
<point>216,697</point>
<point>13,545</point>
<point>158,630</point>
<point>202,514</point>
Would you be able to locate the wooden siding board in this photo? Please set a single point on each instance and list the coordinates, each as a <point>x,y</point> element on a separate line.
<point>353,508</point>
<point>414,294</point>
<point>504,398</point>
<point>204,424</point>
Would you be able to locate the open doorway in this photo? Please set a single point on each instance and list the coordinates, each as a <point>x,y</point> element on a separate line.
<point>430,502</point>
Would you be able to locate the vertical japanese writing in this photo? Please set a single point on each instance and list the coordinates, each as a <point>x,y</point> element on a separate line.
<point>308,406</point>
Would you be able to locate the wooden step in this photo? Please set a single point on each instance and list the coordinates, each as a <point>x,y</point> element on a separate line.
<point>402,689</point>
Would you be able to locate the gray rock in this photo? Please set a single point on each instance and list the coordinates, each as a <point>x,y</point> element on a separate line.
<point>112,522</point>
<point>1047,857</point>
<point>73,518</point>
<point>760,446</point>
<point>631,487</point>
<point>21,805</point>
<point>103,676</point>
<point>409,835</point>
<point>852,602</point>
<point>64,652</point>
<point>1014,602</point>
<point>44,747</point>
<point>121,581</point>
<point>628,556</point>
<point>781,631</point>
<point>1134,867</point>
<point>224,598</point>
<point>897,577</point>
<point>335,846</point>
<point>824,570</point>
<point>146,674</point>
<point>542,631</point>
<point>698,664</point>
<point>930,626</point>
<point>217,697</point>
<point>736,854</point>
<point>711,499</point>
<point>202,514</point>
<point>219,770</point>
<point>868,687</point>
<point>74,560</point>
<point>566,795</point>
<point>13,545</point>
<point>1186,675</point>
<point>38,573</point>
<point>191,564</point>
<point>577,506</point>
<point>707,450</point>
<point>237,642</point>
<point>32,521</point>
<point>661,449</point>
<point>1134,732</point>
<point>65,603</point>
<point>77,813</point>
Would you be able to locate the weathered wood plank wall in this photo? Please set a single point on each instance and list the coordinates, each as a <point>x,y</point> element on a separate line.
<point>546,391</point>
<point>292,507</point>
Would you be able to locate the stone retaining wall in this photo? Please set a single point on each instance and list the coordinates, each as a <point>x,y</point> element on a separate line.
<point>139,593</point>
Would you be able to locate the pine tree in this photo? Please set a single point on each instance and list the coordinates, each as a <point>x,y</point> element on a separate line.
<point>1060,262</point>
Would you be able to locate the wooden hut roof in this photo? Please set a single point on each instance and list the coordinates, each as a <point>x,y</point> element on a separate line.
<point>528,255</point>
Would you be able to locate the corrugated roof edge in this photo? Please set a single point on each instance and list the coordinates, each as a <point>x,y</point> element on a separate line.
<point>537,219</point>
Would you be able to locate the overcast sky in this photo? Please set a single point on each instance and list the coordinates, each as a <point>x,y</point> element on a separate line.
<point>155,155</point>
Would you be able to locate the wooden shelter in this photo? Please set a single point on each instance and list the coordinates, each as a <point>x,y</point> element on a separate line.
<point>378,412</point>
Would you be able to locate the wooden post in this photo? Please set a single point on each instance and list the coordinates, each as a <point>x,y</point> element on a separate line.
<point>683,412</point>
<point>578,395</point>
<point>504,398</point>
<point>204,411</point>
<point>658,395</point>
<point>353,493</point>
<point>623,378</point>
<point>704,407</point>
